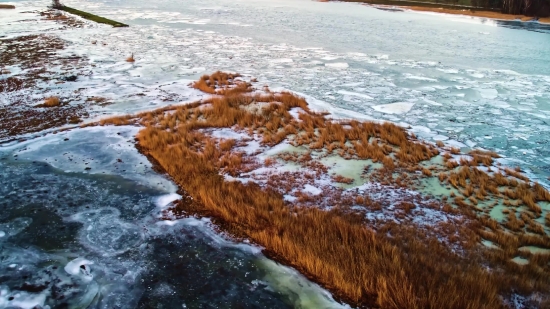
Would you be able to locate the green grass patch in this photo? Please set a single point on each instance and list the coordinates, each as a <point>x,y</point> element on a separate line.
<point>92,17</point>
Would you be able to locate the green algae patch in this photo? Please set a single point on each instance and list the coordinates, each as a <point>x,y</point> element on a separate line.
<point>92,17</point>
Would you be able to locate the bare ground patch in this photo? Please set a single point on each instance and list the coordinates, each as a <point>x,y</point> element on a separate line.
<point>31,67</point>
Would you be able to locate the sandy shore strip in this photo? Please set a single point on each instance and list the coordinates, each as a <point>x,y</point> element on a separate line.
<point>473,13</point>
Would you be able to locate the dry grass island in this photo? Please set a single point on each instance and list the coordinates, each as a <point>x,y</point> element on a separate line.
<point>476,255</point>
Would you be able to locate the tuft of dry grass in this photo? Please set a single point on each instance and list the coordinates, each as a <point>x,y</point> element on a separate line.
<point>131,58</point>
<point>50,102</point>
<point>221,83</point>
<point>342,179</point>
<point>426,172</point>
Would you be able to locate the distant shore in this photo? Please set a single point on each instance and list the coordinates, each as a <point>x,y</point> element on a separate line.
<point>474,13</point>
<point>446,9</point>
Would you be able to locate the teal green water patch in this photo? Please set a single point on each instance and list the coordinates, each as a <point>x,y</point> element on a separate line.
<point>520,260</point>
<point>301,292</point>
<point>497,214</point>
<point>489,244</point>
<point>92,17</point>
<point>437,160</point>
<point>284,148</point>
<point>348,168</point>
<point>545,206</point>
<point>535,250</point>
<point>432,186</point>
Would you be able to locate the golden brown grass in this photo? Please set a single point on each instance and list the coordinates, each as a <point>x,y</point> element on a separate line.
<point>221,83</point>
<point>394,267</point>
<point>482,185</point>
<point>364,267</point>
<point>50,102</point>
<point>342,179</point>
<point>131,58</point>
<point>426,172</point>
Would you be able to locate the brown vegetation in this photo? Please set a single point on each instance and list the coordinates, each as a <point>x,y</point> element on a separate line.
<point>342,179</point>
<point>395,267</point>
<point>483,185</point>
<point>50,102</point>
<point>426,172</point>
<point>131,58</point>
<point>221,83</point>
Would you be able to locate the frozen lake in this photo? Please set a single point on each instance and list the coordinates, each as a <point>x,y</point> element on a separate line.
<point>480,82</point>
<point>465,81</point>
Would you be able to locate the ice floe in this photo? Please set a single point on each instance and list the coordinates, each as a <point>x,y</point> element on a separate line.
<point>394,108</point>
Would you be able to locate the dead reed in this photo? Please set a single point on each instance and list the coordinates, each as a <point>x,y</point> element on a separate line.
<point>131,58</point>
<point>50,102</point>
<point>342,179</point>
<point>396,266</point>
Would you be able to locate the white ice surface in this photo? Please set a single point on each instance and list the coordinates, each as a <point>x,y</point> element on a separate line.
<point>356,94</point>
<point>337,65</point>
<point>312,190</point>
<point>394,108</point>
<point>165,200</point>
<point>105,150</point>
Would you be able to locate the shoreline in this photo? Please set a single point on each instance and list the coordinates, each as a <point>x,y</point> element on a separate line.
<point>479,14</point>
<point>464,12</point>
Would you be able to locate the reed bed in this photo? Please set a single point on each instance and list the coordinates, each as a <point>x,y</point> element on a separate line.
<point>382,265</point>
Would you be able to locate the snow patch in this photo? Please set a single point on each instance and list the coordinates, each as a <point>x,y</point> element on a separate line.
<point>355,94</point>
<point>165,200</point>
<point>312,190</point>
<point>337,65</point>
<point>394,108</point>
